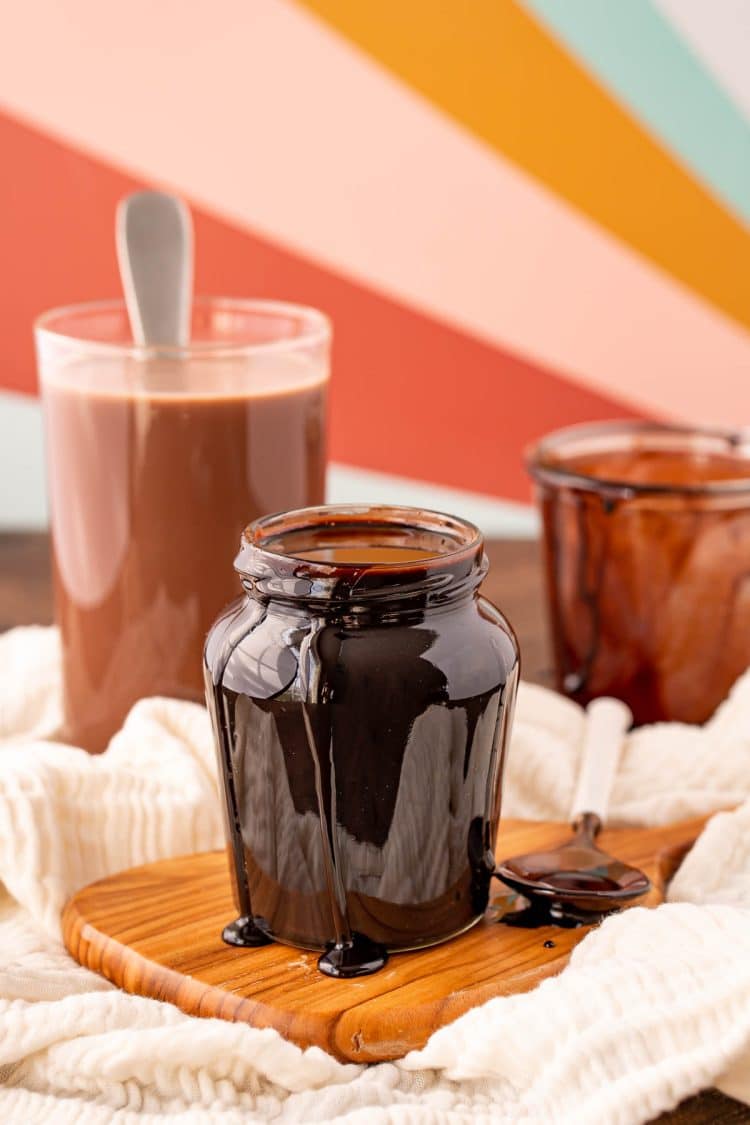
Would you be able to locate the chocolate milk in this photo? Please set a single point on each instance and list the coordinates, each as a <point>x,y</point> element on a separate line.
<point>155,469</point>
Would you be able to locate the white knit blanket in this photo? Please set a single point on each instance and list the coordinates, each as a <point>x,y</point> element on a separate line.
<point>654,1006</point>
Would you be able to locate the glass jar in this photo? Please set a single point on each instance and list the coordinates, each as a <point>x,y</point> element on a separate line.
<point>647,543</point>
<point>361,694</point>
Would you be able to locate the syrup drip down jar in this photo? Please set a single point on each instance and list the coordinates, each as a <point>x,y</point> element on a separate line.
<point>361,694</point>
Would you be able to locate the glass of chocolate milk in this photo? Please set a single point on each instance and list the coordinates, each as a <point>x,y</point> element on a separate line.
<point>647,545</point>
<point>157,460</point>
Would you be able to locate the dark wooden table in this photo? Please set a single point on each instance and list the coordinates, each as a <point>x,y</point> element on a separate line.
<point>514,583</point>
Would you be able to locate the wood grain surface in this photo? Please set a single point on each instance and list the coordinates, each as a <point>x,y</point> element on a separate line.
<point>514,583</point>
<point>155,931</point>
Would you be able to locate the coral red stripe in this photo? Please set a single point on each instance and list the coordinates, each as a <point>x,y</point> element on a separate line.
<point>411,395</point>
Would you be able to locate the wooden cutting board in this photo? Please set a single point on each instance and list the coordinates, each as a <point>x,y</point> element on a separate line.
<point>156,931</point>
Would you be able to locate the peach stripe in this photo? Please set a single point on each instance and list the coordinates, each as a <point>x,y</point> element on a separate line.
<point>265,116</point>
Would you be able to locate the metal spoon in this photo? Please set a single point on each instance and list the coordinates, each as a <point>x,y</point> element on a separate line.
<point>154,238</point>
<point>578,875</point>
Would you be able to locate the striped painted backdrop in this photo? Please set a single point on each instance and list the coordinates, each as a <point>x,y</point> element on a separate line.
<point>519,213</point>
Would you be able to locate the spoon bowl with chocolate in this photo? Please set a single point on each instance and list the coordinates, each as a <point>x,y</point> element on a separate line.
<point>578,876</point>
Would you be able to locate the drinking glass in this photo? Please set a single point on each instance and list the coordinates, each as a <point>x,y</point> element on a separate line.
<point>157,459</point>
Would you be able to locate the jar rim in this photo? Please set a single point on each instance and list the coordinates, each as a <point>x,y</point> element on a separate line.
<point>546,460</point>
<point>436,576</point>
<point>63,326</point>
<point>258,533</point>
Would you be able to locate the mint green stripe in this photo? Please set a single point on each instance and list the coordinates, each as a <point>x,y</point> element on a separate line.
<point>639,57</point>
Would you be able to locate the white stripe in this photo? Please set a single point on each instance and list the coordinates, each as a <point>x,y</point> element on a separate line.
<point>23,497</point>
<point>719,33</point>
<point>496,518</point>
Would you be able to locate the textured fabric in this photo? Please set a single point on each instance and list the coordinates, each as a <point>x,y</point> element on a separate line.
<point>654,1006</point>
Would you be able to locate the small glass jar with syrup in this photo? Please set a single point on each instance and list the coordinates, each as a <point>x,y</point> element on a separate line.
<point>361,694</point>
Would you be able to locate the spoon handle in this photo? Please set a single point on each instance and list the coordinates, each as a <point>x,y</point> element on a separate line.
<point>154,238</point>
<point>607,720</point>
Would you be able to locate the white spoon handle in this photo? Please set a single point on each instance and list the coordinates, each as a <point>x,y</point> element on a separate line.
<point>607,720</point>
<point>154,237</point>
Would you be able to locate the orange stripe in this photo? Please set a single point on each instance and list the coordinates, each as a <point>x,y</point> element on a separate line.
<point>495,70</point>
<point>410,395</point>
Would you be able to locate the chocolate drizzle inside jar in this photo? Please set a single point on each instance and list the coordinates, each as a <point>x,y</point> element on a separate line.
<point>647,546</point>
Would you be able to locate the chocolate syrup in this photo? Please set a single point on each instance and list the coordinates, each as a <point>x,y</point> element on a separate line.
<point>540,913</point>
<point>648,568</point>
<point>361,696</point>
